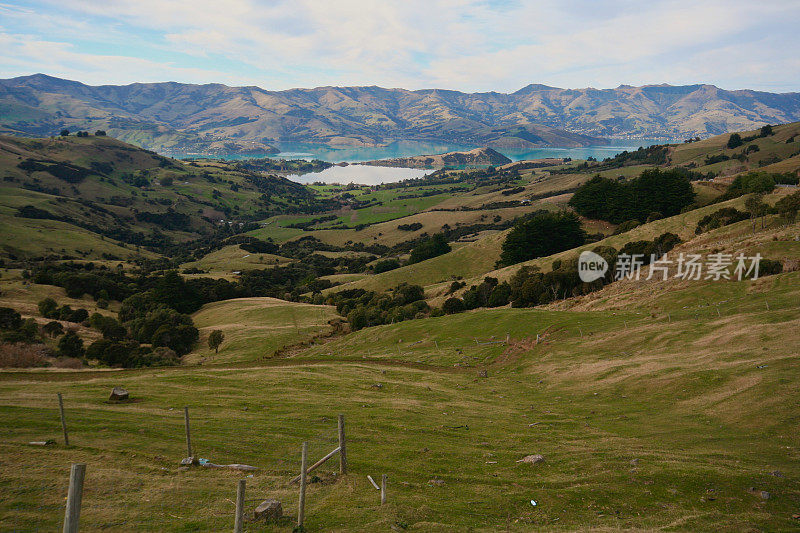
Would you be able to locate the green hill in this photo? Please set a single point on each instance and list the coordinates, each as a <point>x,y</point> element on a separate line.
<point>97,187</point>
<point>655,404</point>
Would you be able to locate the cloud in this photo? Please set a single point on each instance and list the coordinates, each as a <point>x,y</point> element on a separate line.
<point>27,54</point>
<point>460,44</point>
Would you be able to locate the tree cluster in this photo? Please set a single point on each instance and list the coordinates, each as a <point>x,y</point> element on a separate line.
<point>655,190</point>
<point>541,234</point>
<point>367,308</point>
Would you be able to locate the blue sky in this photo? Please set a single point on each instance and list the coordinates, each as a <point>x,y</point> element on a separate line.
<point>467,45</point>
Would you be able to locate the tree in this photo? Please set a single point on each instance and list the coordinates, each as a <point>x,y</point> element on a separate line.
<point>48,308</point>
<point>100,133</point>
<point>70,345</point>
<point>452,306</point>
<point>734,141</point>
<point>386,265</point>
<point>9,319</point>
<point>788,206</point>
<point>64,133</point>
<point>435,246</point>
<point>215,339</point>
<point>53,329</point>
<point>766,131</point>
<point>541,235</point>
<point>756,207</point>
<point>665,192</point>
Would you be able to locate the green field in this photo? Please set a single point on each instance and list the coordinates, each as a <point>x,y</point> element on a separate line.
<point>644,424</point>
<point>667,405</point>
<point>255,328</point>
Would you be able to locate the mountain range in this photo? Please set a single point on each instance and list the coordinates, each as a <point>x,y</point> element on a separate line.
<point>178,117</point>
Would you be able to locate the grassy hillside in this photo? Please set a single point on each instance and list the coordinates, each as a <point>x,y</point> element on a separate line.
<point>103,187</point>
<point>472,260</point>
<point>644,423</point>
<point>657,405</point>
<point>231,258</point>
<point>255,328</point>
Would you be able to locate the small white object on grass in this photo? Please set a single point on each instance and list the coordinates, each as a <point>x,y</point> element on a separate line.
<point>533,502</point>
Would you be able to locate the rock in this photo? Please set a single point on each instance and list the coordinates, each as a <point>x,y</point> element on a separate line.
<point>634,462</point>
<point>118,394</point>
<point>188,461</point>
<point>268,510</point>
<point>437,482</point>
<point>377,385</point>
<point>532,459</point>
<point>764,495</point>
<point>483,374</point>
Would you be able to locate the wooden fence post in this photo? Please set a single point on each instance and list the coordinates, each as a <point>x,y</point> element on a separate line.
<point>63,420</point>
<point>238,522</point>
<point>383,489</point>
<point>301,507</point>
<point>342,450</point>
<point>74,496</point>
<point>188,436</point>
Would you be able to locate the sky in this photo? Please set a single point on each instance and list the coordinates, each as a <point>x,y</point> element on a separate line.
<point>467,45</point>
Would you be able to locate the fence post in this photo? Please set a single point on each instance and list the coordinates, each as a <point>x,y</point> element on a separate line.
<point>342,450</point>
<point>74,496</point>
<point>63,420</point>
<point>383,489</point>
<point>188,437</point>
<point>301,507</point>
<point>238,522</point>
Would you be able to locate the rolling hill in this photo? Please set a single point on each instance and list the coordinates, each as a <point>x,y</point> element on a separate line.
<point>65,195</point>
<point>184,117</point>
<point>654,404</point>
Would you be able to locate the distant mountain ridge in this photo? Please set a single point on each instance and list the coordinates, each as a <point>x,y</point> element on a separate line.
<point>184,117</point>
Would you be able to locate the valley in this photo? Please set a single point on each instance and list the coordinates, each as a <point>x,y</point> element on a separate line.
<point>410,307</point>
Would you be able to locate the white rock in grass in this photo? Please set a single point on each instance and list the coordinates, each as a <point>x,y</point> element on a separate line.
<point>532,459</point>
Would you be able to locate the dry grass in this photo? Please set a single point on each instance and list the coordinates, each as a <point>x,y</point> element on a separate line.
<point>22,355</point>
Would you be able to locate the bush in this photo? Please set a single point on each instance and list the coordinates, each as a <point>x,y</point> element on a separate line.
<point>53,329</point>
<point>70,345</point>
<point>386,265</point>
<point>627,226</point>
<point>752,182</point>
<point>414,226</point>
<point>734,141</point>
<point>130,354</point>
<point>9,319</point>
<point>166,327</point>
<point>769,267</point>
<point>452,306</point>
<point>48,308</point>
<point>429,248</point>
<point>721,217</point>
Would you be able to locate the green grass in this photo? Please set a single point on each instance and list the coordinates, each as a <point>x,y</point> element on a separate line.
<point>255,328</point>
<point>36,238</point>
<point>232,258</point>
<point>703,423</point>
